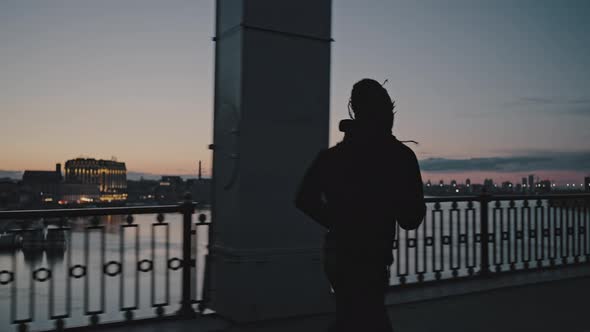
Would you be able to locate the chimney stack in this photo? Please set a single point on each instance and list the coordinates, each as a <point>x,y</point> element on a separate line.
<point>200,170</point>
<point>58,169</point>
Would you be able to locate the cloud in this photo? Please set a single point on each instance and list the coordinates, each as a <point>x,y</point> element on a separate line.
<point>132,175</point>
<point>576,106</point>
<point>562,161</point>
<point>15,175</point>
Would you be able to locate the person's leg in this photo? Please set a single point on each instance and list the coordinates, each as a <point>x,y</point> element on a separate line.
<point>377,281</point>
<point>344,278</point>
<point>330,271</point>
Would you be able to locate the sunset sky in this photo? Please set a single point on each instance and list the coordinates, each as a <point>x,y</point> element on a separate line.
<point>504,82</point>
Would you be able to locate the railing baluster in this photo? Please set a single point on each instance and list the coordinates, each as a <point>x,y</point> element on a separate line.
<point>512,238</point>
<point>528,233</point>
<point>152,266</point>
<point>441,258</point>
<point>424,249</point>
<point>186,309</point>
<point>484,268</point>
<point>454,241</point>
<point>542,229</point>
<point>470,244</point>
<point>577,238</point>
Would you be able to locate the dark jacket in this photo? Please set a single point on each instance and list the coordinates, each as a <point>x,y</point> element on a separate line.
<point>359,189</point>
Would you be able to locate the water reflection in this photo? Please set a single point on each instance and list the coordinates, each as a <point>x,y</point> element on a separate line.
<point>59,244</point>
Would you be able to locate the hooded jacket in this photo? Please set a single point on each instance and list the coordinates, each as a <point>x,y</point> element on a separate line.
<point>359,189</point>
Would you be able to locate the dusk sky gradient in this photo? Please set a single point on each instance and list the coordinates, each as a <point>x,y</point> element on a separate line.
<point>500,80</point>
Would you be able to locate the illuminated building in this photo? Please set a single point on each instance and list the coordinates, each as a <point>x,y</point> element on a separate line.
<point>109,175</point>
<point>79,193</point>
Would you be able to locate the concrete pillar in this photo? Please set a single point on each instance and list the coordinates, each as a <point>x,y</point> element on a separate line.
<point>272,89</point>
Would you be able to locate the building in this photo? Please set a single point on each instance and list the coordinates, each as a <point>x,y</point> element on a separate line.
<point>9,194</point>
<point>142,191</point>
<point>109,175</point>
<point>545,186</point>
<point>488,184</point>
<point>43,186</point>
<point>78,193</point>
<point>507,186</point>
<point>587,184</point>
<point>531,182</point>
<point>200,188</point>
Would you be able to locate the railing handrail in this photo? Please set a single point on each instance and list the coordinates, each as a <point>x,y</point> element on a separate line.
<point>99,211</point>
<point>149,209</point>
<point>490,197</point>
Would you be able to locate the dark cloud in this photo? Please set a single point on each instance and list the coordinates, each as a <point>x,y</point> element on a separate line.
<point>554,105</point>
<point>544,101</point>
<point>16,175</point>
<point>131,175</point>
<point>579,110</point>
<point>570,161</point>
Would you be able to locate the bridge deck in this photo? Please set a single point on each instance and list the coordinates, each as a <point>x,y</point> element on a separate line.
<point>557,305</point>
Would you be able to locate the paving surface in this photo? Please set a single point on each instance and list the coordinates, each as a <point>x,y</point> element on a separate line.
<point>555,306</point>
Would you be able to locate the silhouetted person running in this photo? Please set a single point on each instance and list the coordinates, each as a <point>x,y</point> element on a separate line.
<point>358,190</point>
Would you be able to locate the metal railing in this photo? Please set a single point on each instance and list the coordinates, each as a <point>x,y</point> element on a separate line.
<point>473,236</point>
<point>89,277</point>
<point>461,237</point>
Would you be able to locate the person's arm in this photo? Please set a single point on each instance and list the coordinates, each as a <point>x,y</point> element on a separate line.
<point>309,197</point>
<point>412,208</point>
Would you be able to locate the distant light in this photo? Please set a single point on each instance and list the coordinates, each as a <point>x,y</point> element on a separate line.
<point>456,190</point>
<point>510,185</point>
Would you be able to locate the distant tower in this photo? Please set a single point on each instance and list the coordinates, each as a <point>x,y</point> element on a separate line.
<point>587,184</point>
<point>58,170</point>
<point>200,174</point>
<point>531,183</point>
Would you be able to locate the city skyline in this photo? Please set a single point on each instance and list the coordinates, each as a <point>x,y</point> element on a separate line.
<point>428,176</point>
<point>134,79</point>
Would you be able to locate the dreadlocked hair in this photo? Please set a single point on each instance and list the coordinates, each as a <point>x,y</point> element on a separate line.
<point>371,104</point>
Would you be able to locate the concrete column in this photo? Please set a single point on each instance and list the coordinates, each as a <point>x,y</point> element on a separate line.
<point>272,89</point>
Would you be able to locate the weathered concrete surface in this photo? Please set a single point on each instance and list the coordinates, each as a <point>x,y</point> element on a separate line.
<point>555,306</point>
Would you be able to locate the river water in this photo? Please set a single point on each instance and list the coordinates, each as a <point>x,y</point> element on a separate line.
<point>164,280</point>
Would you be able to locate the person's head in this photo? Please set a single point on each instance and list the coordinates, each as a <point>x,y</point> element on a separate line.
<point>371,104</point>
